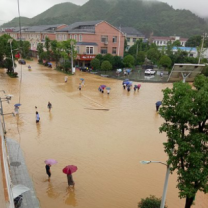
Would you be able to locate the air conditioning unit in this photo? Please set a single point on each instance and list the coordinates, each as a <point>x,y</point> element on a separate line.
<point>106,42</point>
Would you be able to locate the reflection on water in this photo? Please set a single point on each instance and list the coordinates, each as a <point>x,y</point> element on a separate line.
<point>70,197</point>
<point>51,192</point>
<point>105,136</point>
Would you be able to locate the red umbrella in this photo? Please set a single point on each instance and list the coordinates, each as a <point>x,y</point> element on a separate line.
<point>70,169</point>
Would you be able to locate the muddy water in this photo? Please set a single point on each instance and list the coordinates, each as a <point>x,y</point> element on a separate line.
<point>105,145</point>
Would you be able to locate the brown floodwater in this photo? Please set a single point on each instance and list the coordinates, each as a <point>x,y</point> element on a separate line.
<point>105,145</point>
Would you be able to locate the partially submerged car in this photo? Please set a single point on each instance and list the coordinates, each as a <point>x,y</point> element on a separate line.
<point>149,72</point>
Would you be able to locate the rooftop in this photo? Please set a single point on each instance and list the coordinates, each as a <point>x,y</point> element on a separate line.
<point>85,27</point>
<point>131,31</point>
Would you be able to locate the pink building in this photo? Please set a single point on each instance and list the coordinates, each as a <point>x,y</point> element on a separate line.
<point>93,37</point>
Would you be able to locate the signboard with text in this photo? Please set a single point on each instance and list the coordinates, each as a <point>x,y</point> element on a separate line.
<point>87,57</point>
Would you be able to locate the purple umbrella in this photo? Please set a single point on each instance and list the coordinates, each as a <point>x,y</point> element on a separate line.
<point>103,86</point>
<point>50,162</point>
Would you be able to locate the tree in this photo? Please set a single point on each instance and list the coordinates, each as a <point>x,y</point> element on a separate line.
<point>165,61</point>
<point>153,54</point>
<point>118,63</point>
<point>56,50</point>
<point>177,43</point>
<point>106,66</point>
<point>40,51</point>
<point>150,202</point>
<point>95,63</point>
<point>194,41</point>
<point>140,57</point>
<point>184,110</point>
<point>109,57</point>
<point>128,61</point>
<point>100,57</point>
<point>25,49</point>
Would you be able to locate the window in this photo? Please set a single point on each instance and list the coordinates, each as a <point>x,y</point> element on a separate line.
<point>134,40</point>
<point>104,38</point>
<point>114,50</point>
<point>80,38</point>
<point>75,37</point>
<point>114,39</point>
<point>128,39</point>
<point>89,50</point>
<point>78,49</point>
<point>104,50</point>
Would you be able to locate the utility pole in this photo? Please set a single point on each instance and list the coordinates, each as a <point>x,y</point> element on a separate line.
<point>202,46</point>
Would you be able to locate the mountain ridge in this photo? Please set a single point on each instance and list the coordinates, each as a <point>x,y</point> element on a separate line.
<point>146,16</point>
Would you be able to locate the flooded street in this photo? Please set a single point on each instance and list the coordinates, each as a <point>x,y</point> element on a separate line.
<point>106,146</point>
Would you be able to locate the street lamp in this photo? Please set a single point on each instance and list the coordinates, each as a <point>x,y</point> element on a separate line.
<point>162,205</point>
<point>72,44</point>
<point>10,41</point>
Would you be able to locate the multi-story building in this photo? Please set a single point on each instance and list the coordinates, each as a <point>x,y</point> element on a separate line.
<point>163,41</point>
<point>34,34</point>
<point>92,38</point>
<point>132,35</point>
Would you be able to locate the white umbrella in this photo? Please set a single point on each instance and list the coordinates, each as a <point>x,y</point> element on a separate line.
<point>18,190</point>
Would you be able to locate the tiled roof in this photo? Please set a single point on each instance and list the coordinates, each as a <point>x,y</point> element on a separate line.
<point>130,31</point>
<point>88,26</point>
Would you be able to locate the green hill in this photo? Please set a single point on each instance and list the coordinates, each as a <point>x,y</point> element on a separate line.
<point>146,16</point>
<point>15,22</point>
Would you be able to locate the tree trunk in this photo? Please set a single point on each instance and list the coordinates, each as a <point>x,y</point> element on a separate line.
<point>189,202</point>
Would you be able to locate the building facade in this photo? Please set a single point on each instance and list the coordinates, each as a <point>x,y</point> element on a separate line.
<point>163,41</point>
<point>92,38</point>
<point>131,35</point>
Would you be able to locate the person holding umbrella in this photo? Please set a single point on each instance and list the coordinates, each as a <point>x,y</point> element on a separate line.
<point>158,104</point>
<point>68,170</point>
<point>108,90</point>
<point>16,108</point>
<point>48,163</point>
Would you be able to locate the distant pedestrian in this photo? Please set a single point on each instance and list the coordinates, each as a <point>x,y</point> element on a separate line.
<point>48,170</point>
<point>108,91</point>
<point>49,106</point>
<point>66,79</point>
<point>36,107</point>
<point>124,86</point>
<point>158,104</point>
<point>80,86</point>
<point>70,180</point>
<point>128,88</point>
<point>16,110</point>
<point>37,117</point>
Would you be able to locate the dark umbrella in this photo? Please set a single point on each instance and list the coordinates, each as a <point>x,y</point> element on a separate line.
<point>17,104</point>
<point>158,103</point>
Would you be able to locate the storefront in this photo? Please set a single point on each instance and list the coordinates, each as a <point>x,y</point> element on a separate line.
<point>84,59</point>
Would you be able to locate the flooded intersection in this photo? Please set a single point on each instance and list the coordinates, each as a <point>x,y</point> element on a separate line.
<point>105,145</point>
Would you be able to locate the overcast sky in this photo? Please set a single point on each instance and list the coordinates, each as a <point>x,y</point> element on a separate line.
<point>31,8</point>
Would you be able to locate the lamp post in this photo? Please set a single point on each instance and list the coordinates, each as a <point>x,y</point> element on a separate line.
<point>72,44</point>
<point>162,205</point>
<point>10,41</point>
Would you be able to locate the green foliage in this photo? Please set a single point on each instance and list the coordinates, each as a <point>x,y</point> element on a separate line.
<point>153,54</point>
<point>40,51</point>
<point>99,57</point>
<point>106,66</point>
<point>146,16</point>
<point>95,63</point>
<point>150,202</point>
<point>140,58</point>
<point>109,57</point>
<point>205,71</point>
<point>25,49</point>
<point>165,61</point>
<point>176,43</point>
<point>128,61</point>
<point>118,62</point>
<point>184,110</point>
